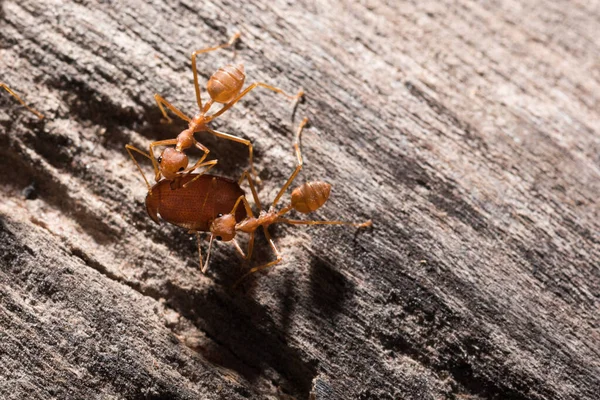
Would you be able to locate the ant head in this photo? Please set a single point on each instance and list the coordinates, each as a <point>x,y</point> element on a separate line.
<point>310,196</point>
<point>223,227</point>
<point>171,162</point>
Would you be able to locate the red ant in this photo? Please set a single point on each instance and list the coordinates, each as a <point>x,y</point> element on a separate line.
<point>224,87</point>
<point>208,203</point>
<point>12,93</point>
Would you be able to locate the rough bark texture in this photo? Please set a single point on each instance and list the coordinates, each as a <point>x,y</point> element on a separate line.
<point>468,131</point>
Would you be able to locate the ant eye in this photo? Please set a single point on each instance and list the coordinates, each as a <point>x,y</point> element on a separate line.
<point>159,159</point>
<point>219,238</point>
<point>219,215</point>
<point>180,169</point>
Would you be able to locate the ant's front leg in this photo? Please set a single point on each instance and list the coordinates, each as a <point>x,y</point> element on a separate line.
<point>249,214</point>
<point>265,266</point>
<point>204,267</point>
<point>246,175</point>
<point>248,254</point>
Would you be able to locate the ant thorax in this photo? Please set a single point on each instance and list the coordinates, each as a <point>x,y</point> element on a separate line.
<point>266,218</point>
<point>197,124</point>
<point>248,225</point>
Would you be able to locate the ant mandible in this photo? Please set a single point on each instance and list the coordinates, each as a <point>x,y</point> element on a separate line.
<point>12,93</point>
<point>212,204</point>
<point>224,87</point>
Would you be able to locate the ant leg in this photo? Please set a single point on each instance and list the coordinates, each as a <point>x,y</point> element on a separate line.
<point>301,222</point>
<point>299,165</point>
<point>204,267</point>
<point>199,163</point>
<point>249,214</point>
<point>203,148</point>
<point>129,149</point>
<point>209,165</point>
<point>238,248</point>
<point>250,247</point>
<point>167,142</point>
<point>199,242</point>
<point>12,93</point>
<point>161,101</point>
<point>238,140</point>
<point>233,39</point>
<point>265,266</point>
<point>252,188</point>
<point>242,199</point>
<point>227,106</point>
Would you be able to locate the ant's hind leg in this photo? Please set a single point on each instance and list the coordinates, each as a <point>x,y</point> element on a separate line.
<point>298,157</point>
<point>12,93</point>
<point>365,224</point>
<point>233,39</point>
<point>161,101</point>
<point>253,86</point>
<point>265,266</point>
<point>238,140</point>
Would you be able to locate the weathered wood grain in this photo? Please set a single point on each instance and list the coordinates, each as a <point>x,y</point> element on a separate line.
<point>468,131</point>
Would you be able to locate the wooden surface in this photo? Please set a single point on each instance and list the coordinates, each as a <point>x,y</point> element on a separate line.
<point>468,131</point>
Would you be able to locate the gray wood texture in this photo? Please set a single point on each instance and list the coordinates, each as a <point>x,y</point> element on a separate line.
<point>468,131</point>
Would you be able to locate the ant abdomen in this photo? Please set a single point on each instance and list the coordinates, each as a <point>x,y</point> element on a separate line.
<point>226,83</point>
<point>310,196</point>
